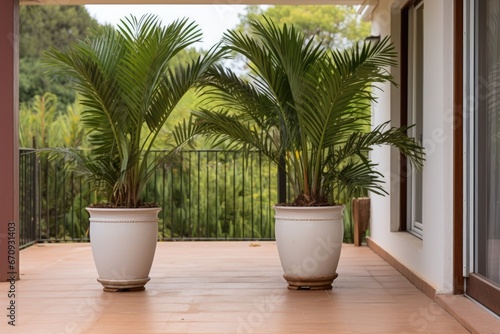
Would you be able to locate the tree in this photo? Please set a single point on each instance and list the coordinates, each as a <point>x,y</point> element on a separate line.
<point>336,26</point>
<point>129,89</point>
<point>40,121</point>
<point>306,107</point>
<point>41,28</point>
<point>36,119</point>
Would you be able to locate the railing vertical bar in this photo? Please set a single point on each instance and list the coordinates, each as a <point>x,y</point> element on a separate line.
<point>216,195</point>
<point>38,197</point>
<point>63,204</point>
<point>163,198</point>
<point>225,227</point>
<point>207,195</point>
<point>23,177</point>
<point>235,218</point>
<point>269,196</point>
<point>22,191</point>
<point>31,218</point>
<point>251,193</point>
<point>32,200</point>
<point>261,195</point>
<point>184,228</point>
<point>28,230</point>
<point>46,176</point>
<point>243,170</point>
<point>56,199</point>
<point>199,191</point>
<point>190,191</point>
<point>190,219</point>
<point>72,209</point>
<point>173,223</point>
<point>156,179</point>
<point>82,207</point>
<point>45,203</point>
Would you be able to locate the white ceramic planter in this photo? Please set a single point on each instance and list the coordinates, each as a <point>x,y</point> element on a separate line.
<point>123,245</point>
<point>309,241</point>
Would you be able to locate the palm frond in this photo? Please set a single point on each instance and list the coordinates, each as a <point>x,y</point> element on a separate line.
<point>306,104</point>
<point>126,81</point>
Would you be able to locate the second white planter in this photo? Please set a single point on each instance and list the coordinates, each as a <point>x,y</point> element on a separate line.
<point>123,244</point>
<point>309,241</point>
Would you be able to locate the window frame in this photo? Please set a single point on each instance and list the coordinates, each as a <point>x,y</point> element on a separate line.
<point>412,112</point>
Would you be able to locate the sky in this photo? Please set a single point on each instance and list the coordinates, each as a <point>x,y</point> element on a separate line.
<point>213,20</point>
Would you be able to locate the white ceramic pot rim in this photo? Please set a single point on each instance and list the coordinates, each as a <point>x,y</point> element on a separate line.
<point>291,207</point>
<point>123,209</point>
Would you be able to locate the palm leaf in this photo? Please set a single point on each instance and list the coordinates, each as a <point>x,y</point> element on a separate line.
<point>307,105</point>
<point>128,88</point>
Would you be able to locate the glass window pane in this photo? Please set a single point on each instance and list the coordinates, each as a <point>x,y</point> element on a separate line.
<point>488,107</point>
<point>415,112</point>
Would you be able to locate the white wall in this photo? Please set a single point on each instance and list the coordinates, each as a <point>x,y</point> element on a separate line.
<point>430,258</point>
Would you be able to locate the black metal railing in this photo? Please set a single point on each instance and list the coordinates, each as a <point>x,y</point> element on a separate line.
<point>207,195</point>
<point>28,199</point>
<point>219,195</point>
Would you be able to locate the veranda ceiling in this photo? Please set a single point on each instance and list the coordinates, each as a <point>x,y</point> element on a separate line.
<point>193,2</point>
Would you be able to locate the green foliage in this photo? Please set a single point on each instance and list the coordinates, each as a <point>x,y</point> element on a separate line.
<point>215,195</point>
<point>205,195</point>
<point>35,119</point>
<point>129,88</point>
<point>69,128</point>
<point>335,26</point>
<point>308,105</point>
<point>41,28</point>
<point>42,125</point>
<point>63,198</point>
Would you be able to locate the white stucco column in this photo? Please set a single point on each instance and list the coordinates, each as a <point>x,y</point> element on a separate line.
<point>430,257</point>
<point>385,210</point>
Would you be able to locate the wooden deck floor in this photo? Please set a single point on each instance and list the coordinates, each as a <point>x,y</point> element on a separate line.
<point>216,287</point>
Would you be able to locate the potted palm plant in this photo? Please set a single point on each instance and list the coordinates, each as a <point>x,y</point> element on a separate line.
<point>308,109</point>
<point>129,86</point>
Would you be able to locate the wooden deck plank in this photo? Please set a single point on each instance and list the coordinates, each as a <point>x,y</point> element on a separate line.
<point>216,287</point>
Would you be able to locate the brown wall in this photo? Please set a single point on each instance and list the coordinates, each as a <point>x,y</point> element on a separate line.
<point>9,184</point>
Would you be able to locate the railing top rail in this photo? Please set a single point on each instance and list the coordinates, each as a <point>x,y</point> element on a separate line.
<point>209,150</point>
<point>24,149</point>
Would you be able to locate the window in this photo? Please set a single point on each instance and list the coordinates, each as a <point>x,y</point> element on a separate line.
<point>412,109</point>
<point>488,140</point>
<point>483,139</point>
